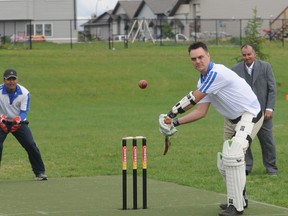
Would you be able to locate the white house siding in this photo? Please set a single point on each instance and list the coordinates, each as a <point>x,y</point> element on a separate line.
<point>148,14</point>
<point>185,16</point>
<point>51,12</point>
<point>60,9</point>
<point>10,27</point>
<point>236,10</point>
<point>14,10</point>
<point>101,29</point>
<point>241,9</point>
<point>118,27</point>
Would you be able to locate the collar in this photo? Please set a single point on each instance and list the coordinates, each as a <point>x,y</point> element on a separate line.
<point>211,65</point>
<point>18,90</point>
<point>251,66</point>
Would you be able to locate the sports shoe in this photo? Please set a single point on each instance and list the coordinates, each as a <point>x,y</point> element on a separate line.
<point>41,177</point>
<point>230,211</point>
<point>223,206</point>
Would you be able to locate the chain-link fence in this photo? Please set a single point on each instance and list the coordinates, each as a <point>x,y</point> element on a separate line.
<point>164,31</point>
<point>177,31</point>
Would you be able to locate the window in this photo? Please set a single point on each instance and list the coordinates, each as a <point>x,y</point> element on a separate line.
<point>39,29</point>
<point>48,30</point>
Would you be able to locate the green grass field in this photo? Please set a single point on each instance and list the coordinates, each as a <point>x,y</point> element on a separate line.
<point>85,99</point>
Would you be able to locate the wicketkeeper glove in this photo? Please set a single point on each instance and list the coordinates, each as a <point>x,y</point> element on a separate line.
<point>16,121</point>
<point>3,120</point>
<point>166,125</point>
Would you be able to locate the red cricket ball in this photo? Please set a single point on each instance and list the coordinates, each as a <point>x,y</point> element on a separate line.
<point>142,84</point>
<point>167,120</point>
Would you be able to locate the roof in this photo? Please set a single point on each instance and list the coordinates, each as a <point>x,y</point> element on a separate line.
<point>177,5</point>
<point>102,19</point>
<point>162,6</point>
<point>130,7</point>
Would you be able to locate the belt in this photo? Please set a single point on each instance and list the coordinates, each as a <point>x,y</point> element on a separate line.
<point>254,120</point>
<point>236,120</point>
<point>258,117</point>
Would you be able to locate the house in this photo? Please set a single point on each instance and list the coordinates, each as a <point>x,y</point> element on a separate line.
<point>98,27</point>
<point>147,18</point>
<point>55,20</point>
<point>127,18</point>
<point>114,22</point>
<point>125,11</point>
<point>159,14</point>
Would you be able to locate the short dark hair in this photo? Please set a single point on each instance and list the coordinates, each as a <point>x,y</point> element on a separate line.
<point>197,45</point>
<point>248,44</point>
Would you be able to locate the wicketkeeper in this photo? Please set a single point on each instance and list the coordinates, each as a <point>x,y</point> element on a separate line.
<point>14,107</point>
<point>233,98</point>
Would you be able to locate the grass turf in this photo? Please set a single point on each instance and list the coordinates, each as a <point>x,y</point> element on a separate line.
<point>101,195</point>
<point>85,99</point>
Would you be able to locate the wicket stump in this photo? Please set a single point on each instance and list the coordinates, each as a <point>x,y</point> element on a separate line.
<point>134,167</point>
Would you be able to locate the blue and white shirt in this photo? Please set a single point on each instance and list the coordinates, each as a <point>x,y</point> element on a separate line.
<point>14,104</point>
<point>228,93</point>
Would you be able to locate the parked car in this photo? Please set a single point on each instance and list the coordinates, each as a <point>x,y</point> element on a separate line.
<point>119,38</point>
<point>224,35</point>
<point>181,37</point>
<point>213,34</point>
<point>177,37</point>
<point>198,35</point>
<point>162,38</point>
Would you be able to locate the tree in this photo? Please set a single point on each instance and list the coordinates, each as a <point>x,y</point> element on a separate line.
<point>253,35</point>
<point>167,31</point>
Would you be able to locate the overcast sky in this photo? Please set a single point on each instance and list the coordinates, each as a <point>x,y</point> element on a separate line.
<point>85,8</point>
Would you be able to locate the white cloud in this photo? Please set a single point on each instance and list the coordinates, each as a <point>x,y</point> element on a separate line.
<point>85,8</point>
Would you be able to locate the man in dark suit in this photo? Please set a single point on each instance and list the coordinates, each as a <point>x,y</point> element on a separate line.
<point>259,75</point>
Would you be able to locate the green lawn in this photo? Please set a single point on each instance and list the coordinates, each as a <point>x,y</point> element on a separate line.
<point>85,99</point>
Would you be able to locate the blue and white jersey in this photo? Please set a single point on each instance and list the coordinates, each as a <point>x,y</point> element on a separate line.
<point>14,104</point>
<point>228,93</point>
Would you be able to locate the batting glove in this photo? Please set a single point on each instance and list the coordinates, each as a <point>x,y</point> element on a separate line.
<point>166,125</point>
<point>16,121</point>
<point>3,120</point>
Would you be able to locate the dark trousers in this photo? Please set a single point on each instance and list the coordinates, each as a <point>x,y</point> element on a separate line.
<point>25,138</point>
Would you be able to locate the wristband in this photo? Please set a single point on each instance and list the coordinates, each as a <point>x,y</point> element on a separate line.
<point>176,122</point>
<point>171,114</point>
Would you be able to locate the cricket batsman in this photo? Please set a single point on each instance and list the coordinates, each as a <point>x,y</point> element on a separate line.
<point>234,99</point>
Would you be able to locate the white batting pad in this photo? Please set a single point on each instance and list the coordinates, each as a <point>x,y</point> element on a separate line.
<point>220,165</point>
<point>235,183</point>
<point>234,165</point>
<point>244,127</point>
<point>244,142</point>
<point>247,117</point>
<point>243,130</point>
